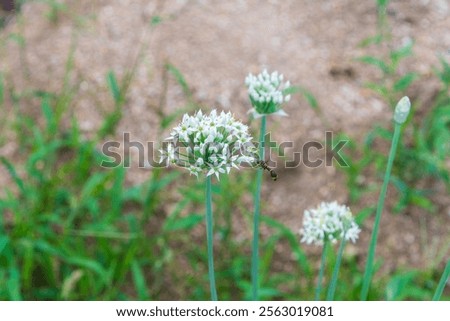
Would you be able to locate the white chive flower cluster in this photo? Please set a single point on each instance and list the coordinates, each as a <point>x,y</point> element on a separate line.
<point>210,144</point>
<point>267,93</point>
<point>329,221</point>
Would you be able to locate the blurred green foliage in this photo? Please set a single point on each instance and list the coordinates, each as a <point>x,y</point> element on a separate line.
<point>425,147</point>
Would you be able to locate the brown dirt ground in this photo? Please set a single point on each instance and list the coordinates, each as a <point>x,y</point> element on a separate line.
<point>215,44</point>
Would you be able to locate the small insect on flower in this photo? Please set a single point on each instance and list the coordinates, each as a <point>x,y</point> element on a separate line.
<point>263,165</point>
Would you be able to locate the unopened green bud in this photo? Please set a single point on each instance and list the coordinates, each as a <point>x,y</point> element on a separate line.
<point>402,110</point>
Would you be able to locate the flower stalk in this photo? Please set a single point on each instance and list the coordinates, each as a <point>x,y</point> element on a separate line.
<point>337,265</point>
<point>321,271</point>
<point>266,93</point>
<point>401,113</point>
<point>210,240</point>
<point>256,214</point>
<point>211,145</point>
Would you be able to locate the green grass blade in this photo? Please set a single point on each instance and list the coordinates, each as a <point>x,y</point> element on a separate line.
<point>403,83</point>
<point>292,238</point>
<point>113,118</point>
<point>48,114</point>
<point>380,64</point>
<point>139,281</point>
<point>399,287</point>
<point>183,223</point>
<point>309,96</point>
<point>4,240</point>
<point>180,79</point>
<point>443,281</point>
<point>89,264</point>
<point>114,87</point>
<point>12,172</point>
<point>13,285</point>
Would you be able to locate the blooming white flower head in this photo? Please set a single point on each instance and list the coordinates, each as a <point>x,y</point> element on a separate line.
<point>267,92</point>
<point>329,221</point>
<point>210,144</point>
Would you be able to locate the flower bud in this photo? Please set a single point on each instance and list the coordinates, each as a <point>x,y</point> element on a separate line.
<point>402,110</point>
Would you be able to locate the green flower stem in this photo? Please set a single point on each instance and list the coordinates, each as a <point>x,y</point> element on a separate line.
<point>209,239</point>
<point>256,215</point>
<point>373,242</point>
<point>321,270</point>
<point>337,265</point>
<point>442,282</point>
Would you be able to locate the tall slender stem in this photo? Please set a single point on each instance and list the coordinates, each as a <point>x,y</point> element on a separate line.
<point>337,265</point>
<point>373,242</point>
<point>256,214</point>
<point>209,240</point>
<point>321,270</point>
<point>442,282</point>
